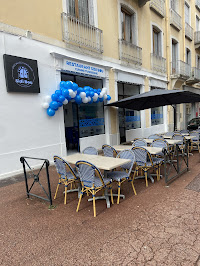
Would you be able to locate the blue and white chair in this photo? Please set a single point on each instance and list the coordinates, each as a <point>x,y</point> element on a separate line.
<point>67,176</point>
<point>195,141</point>
<point>182,141</point>
<point>90,150</point>
<point>145,162</point>
<point>92,182</point>
<point>139,143</point>
<point>109,151</point>
<point>125,173</point>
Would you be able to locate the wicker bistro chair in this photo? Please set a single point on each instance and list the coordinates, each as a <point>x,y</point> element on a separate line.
<point>109,151</point>
<point>182,143</point>
<point>154,136</point>
<point>144,161</point>
<point>90,150</point>
<point>139,143</point>
<point>195,141</point>
<point>67,176</point>
<point>169,134</point>
<point>92,181</point>
<point>125,173</point>
<point>184,131</point>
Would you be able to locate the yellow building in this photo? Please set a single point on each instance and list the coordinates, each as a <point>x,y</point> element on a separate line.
<point>128,46</point>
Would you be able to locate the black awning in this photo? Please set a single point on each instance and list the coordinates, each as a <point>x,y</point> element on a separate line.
<point>156,98</point>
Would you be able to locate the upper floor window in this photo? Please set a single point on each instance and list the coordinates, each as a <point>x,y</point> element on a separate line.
<point>81,9</point>
<point>197,23</point>
<point>198,61</point>
<point>188,56</point>
<point>127,26</point>
<point>174,5</point>
<point>187,13</point>
<point>157,41</point>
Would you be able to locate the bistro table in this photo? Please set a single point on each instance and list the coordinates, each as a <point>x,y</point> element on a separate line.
<point>169,141</point>
<point>151,150</point>
<point>101,162</point>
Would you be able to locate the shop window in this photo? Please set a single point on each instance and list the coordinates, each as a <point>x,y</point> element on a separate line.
<point>156,113</point>
<point>128,119</point>
<point>82,10</point>
<point>128,26</point>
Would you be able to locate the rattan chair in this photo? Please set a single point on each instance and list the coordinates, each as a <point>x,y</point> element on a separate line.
<point>182,141</point>
<point>195,141</point>
<point>139,143</point>
<point>144,161</point>
<point>125,173</point>
<point>67,176</point>
<point>153,136</point>
<point>184,131</point>
<point>90,150</point>
<point>109,151</point>
<point>92,182</point>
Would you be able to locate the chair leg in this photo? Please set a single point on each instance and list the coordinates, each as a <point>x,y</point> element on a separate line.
<point>94,206</point>
<point>119,187</point>
<point>79,202</point>
<point>57,189</point>
<point>145,174</point>
<point>65,201</point>
<point>132,183</point>
<point>158,172</point>
<point>111,195</point>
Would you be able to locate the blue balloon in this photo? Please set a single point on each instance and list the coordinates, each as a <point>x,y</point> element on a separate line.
<point>50,112</point>
<point>95,91</point>
<point>68,85</point>
<point>91,94</point>
<point>87,93</point>
<point>79,90</point>
<point>59,104</point>
<point>54,105</point>
<point>69,98</point>
<point>78,99</point>
<point>62,84</point>
<point>108,97</point>
<point>91,101</point>
<point>101,99</point>
<point>99,90</point>
<point>65,93</point>
<point>74,87</point>
<point>54,97</point>
<point>58,92</point>
<point>61,98</point>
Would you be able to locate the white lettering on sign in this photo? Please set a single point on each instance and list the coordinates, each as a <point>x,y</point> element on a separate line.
<point>84,69</point>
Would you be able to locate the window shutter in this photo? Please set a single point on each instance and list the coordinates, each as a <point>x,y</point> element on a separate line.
<point>91,12</point>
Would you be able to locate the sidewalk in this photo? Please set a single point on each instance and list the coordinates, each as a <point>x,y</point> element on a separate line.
<point>159,226</point>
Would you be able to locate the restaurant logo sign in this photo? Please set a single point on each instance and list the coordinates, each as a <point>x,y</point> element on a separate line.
<point>21,74</point>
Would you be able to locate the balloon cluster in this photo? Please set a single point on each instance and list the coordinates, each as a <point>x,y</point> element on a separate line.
<point>70,91</point>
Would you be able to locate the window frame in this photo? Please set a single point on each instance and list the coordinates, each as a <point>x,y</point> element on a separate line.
<point>158,32</point>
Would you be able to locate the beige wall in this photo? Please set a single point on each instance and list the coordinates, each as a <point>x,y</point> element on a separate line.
<point>38,16</point>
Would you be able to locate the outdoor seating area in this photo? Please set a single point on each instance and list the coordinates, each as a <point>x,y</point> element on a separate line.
<point>95,174</point>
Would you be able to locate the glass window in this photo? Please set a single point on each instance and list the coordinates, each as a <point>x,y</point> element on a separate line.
<point>128,119</point>
<point>79,9</point>
<point>187,13</point>
<point>156,41</point>
<point>127,21</point>
<point>156,113</point>
<point>91,119</point>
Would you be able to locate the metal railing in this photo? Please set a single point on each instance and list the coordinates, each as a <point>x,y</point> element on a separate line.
<point>196,73</point>
<point>188,31</point>
<point>175,19</point>
<point>180,68</point>
<point>81,34</point>
<point>197,37</point>
<point>158,6</point>
<point>197,4</point>
<point>130,53</point>
<point>158,63</point>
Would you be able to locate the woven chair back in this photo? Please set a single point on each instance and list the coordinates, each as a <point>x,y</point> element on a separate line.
<point>127,154</point>
<point>63,167</point>
<point>90,150</point>
<point>153,136</point>
<point>109,151</point>
<point>141,155</point>
<point>139,143</point>
<point>87,173</point>
<point>179,137</point>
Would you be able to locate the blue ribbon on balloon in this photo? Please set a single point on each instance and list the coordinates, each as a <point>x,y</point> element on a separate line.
<point>71,91</point>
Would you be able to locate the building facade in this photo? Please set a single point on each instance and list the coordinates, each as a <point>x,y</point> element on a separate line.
<point>127,46</point>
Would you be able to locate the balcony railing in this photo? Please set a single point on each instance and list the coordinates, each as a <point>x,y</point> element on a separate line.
<point>81,34</point>
<point>158,64</point>
<point>197,4</point>
<point>197,37</point>
<point>175,19</point>
<point>180,69</point>
<point>196,73</point>
<point>130,53</point>
<point>188,31</point>
<point>158,6</point>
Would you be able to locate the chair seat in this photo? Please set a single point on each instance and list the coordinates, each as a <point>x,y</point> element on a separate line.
<point>97,182</point>
<point>157,160</point>
<point>69,176</point>
<point>117,175</point>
